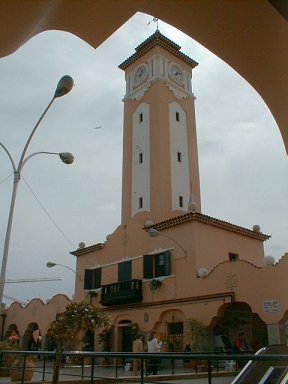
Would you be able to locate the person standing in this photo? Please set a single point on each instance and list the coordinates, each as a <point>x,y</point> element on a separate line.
<point>241,346</point>
<point>153,347</point>
<point>14,337</point>
<point>137,348</point>
<point>36,340</point>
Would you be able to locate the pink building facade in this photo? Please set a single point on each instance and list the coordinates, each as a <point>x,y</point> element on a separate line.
<point>193,265</point>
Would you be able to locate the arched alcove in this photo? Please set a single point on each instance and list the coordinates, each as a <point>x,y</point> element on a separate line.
<point>237,317</point>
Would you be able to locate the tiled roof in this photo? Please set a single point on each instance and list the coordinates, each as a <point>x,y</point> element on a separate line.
<point>185,218</point>
<point>157,39</point>
<point>205,219</point>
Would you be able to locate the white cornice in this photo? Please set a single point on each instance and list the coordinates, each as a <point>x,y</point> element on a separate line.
<point>179,92</point>
<point>138,93</point>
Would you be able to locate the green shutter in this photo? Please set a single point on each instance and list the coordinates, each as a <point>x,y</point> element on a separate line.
<point>125,271</point>
<point>88,278</point>
<point>148,266</point>
<point>167,263</point>
<point>97,277</point>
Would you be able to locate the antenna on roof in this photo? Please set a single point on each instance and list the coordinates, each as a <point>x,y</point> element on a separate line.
<point>154,20</point>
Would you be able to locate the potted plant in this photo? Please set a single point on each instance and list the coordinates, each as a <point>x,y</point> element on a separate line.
<point>200,338</point>
<point>6,359</point>
<point>12,364</point>
<point>16,369</point>
<point>155,284</point>
<point>78,318</point>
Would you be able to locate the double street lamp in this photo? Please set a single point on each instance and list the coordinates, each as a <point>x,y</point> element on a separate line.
<point>64,86</point>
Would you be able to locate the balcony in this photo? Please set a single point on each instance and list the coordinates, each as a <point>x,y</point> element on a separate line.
<point>124,292</point>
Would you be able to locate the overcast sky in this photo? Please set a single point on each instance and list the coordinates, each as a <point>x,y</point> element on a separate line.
<point>243,163</point>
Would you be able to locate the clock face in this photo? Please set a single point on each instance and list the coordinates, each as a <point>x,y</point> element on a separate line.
<point>176,74</point>
<point>140,75</point>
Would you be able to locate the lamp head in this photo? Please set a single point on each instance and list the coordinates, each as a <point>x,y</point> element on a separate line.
<point>66,157</point>
<point>153,232</point>
<point>50,264</point>
<point>64,86</point>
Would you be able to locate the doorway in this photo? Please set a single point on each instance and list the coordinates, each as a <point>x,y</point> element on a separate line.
<point>125,339</point>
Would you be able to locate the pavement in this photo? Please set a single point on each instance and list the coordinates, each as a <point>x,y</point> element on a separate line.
<point>75,374</point>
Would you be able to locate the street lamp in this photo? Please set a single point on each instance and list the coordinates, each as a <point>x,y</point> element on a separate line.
<point>64,86</point>
<point>153,233</point>
<point>49,264</point>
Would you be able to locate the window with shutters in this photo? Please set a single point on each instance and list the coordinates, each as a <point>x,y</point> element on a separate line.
<point>156,265</point>
<point>125,271</point>
<point>92,278</point>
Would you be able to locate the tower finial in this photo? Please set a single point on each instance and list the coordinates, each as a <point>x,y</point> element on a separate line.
<point>155,20</point>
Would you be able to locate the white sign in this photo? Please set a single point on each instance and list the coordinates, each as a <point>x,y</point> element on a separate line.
<point>271,306</point>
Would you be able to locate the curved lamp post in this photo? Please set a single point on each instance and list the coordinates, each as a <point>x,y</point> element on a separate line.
<point>64,86</point>
<point>49,264</point>
<point>153,233</point>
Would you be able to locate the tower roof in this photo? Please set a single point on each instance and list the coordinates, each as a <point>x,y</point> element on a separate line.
<point>157,39</point>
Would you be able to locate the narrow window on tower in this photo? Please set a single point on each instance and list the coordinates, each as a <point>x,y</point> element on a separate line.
<point>140,157</point>
<point>140,202</point>
<point>181,201</point>
<point>179,157</point>
<point>177,116</point>
<point>140,117</point>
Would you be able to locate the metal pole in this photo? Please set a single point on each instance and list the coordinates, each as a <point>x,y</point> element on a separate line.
<point>177,242</point>
<point>71,269</point>
<point>209,372</point>
<point>82,367</point>
<point>44,368</point>
<point>17,176</point>
<point>7,237</point>
<point>142,370</point>
<point>154,232</point>
<point>92,370</point>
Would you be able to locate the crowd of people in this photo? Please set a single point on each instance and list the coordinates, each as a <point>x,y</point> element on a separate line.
<point>152,345</point>
<point>32,339</point>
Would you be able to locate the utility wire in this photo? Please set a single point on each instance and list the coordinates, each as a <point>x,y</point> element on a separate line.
<point>6,178</point>
<point>47,213</point>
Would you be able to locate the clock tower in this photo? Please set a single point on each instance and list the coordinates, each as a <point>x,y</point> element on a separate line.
<point>160,161</point>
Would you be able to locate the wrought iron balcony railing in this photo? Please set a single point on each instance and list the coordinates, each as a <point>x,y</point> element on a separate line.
<point>123,292</point>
